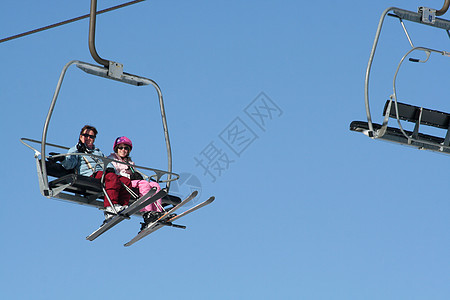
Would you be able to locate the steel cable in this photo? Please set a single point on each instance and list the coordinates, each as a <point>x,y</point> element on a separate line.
<point>68,21</point>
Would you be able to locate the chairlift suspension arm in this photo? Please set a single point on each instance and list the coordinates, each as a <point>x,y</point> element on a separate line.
<point>444,8</point>
<point>92,22</point>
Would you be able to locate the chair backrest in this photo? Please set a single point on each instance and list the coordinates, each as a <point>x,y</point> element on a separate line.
<point>55,169</point>
<point>411,113</point>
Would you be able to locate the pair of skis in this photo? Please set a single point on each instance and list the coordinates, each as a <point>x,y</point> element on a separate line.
<point>164,220</point>
<point>139,204</point>
<point>168,218</point>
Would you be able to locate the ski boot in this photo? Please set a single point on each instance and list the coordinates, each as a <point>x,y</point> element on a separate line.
<point>109,211</point>
<point>150,217</point>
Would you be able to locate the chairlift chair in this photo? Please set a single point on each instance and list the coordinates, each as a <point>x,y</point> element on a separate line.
<point>405,112</point>
<point>69,186</point>
<point>54,181</point>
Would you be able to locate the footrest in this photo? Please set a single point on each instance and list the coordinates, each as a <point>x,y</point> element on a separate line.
<point>395,135</point>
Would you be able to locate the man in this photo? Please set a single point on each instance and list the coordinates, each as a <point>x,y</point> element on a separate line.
<point>88,166</point>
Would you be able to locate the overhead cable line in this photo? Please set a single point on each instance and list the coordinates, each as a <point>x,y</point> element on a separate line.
<point>68,21</point>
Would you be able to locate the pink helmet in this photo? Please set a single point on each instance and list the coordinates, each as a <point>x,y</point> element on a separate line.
<point>122,140</point>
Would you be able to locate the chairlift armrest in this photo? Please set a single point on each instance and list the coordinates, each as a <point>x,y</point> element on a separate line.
<point>393,134</point>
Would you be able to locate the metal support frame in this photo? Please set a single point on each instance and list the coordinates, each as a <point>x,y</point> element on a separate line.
<point>400,135</point>
<point>402,15</point>
<point>126,78</point>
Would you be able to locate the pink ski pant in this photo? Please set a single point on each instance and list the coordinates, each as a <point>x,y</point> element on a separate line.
<point>144,187</point>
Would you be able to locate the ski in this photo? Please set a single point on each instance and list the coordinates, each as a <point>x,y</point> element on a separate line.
<point>145,200</point>
<point>167,221</point>
<point>143,233</point>
<point>198,206</point>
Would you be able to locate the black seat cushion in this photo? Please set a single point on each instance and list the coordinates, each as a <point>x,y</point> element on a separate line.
<point>79,184</point>
<point>55,169</point>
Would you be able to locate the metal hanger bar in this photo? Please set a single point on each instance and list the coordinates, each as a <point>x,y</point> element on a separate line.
<point>92,21</point>
<point>47,122</point>
<point>402,14</point>
<point>444,8</point>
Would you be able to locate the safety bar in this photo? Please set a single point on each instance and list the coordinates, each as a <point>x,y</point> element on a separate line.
<point>105,161</point>
<point>394,96</point>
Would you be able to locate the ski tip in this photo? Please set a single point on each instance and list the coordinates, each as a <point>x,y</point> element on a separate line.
<point>194,193</point>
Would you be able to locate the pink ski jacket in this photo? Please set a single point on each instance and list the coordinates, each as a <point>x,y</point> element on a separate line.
<point>121,169</point>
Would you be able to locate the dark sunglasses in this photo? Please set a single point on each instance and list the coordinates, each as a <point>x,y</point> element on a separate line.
<point>88,135</point>
<point>124,148</point>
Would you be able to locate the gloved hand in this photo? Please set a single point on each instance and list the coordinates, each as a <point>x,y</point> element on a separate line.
<point>136,176</point>
<point>81,147</point>
<point>110,170</point>
<point>55,159</point>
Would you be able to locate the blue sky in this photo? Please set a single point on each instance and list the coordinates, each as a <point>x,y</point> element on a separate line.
<point>305,209</point>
